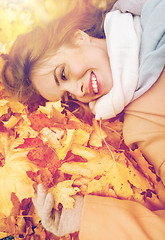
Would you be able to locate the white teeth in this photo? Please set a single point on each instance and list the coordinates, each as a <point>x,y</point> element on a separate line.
<point>94,84</point>
<point>93,77</point>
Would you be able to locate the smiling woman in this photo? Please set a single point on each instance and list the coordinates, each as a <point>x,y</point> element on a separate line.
<point>81,69</point>
<point>79,54</point>
<point>34,56</point>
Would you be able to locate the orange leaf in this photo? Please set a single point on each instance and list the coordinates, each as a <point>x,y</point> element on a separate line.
<point>57,116</point>
<point>39,121</point>
<point>15,200</point>
<point>46,177</point>
<point>16,205</point>
<point>31,142</point>
<point>44,156</point>
<point>34,176</point>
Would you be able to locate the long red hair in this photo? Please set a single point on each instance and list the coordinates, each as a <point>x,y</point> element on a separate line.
<point>30,49</point>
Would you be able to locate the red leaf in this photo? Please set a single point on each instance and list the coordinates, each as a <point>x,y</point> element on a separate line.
<point>44,156</point>
<point>53,167</point>
<point>39,121</point>
<point>26,204</point>
<point>33,176</point>
<point>37,157</point>
<point>46,177</point>
<point>35,153</point>
<point>31,142</point>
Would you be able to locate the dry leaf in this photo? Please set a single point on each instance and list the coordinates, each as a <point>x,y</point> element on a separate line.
<point>13,178</point>
<point>63,193</point>
<point>71,155</point>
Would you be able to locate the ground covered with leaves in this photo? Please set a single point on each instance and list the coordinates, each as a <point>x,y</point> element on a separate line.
<point>68,156</point>
<point>63,147</point>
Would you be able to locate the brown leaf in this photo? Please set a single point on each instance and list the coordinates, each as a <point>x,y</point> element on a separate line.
<point>16,205</point>
<point>57,116</point>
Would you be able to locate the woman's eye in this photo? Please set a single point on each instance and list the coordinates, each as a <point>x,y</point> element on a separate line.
<point>63,77</point>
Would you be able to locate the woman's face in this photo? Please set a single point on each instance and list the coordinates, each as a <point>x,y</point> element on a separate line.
<point>83,71</point>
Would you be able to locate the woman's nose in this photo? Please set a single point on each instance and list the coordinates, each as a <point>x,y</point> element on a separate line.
<point>80,91</point>
<point>77,89</point>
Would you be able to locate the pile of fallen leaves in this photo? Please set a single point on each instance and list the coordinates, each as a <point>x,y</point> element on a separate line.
<point>50,145</point>
<point>68,156</point>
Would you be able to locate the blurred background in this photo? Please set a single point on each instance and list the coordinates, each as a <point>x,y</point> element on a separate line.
<point>19,16</point>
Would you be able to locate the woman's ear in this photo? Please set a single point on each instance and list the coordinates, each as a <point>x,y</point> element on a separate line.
<point>81,37</point>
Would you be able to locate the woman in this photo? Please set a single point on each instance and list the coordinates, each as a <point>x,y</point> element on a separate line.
<point>72,56</point>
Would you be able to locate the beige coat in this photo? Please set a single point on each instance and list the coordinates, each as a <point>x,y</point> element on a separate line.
<point>109,218</point>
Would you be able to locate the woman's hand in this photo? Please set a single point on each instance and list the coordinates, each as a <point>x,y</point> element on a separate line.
<point>59,223</point>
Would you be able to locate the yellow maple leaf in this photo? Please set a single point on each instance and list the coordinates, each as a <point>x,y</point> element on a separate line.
<point>51,137</point>
<point>117,177</point>
<point>66,144</point>
<point>126,181</point>
<point>81,137</point>
<point>98,162</point>
<point>49,106</point>
<point>13,177</point>
<point>63,193</point>
<point>83,151</point>
<point>23,128</point>
<point>97,135</point>
<point>149,172</point>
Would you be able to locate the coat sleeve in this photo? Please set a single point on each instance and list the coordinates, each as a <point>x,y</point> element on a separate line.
<point>110,218</point>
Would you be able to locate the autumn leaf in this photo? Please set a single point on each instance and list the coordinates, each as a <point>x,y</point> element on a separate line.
<point>63,193</point>
<point>44,156</point>
<point>57,116</point>
<point>13,178</point>
<point>97,162</point>
<point>149,171</point>
<point>81,137</point>
<point>52,136</point>
<point>3,107</point>
<point>61,147</point>
<point>66,144</point>
<point>39,121</point>
<point>31,143</point>
<point>53,110</point>
<point>113,131</point>
<point>97,136</point>
<point>16,204</point>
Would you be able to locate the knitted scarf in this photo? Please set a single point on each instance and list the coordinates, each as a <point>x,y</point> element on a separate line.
<point>123,34</point>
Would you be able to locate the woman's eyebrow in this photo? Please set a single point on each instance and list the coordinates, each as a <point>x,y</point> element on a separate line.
<point>56,78</point>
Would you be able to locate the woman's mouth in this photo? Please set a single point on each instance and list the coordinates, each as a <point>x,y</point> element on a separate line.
<point>94,85</point>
